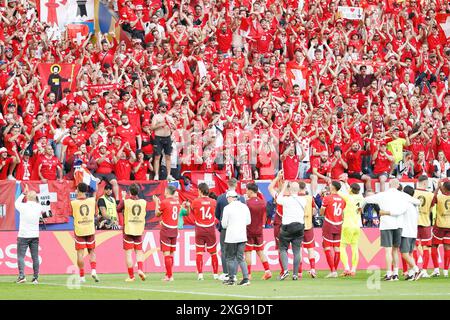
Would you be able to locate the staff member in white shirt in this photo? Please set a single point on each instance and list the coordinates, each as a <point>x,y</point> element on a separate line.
<point>396,203</point>
<point>236,217</point>
<point>409,235</point>
<point>28,237</point>
<point>292,226</point>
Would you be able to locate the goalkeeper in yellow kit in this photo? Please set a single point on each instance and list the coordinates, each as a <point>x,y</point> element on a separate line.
<point>351,228</point>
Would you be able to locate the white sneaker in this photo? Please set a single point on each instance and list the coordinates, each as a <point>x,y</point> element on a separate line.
<point>332,275</point>
<point>94,276</point>
<point>82,279</point>
<point>224,277</point>
<point>435,273</point>
<point>200,277</point>
<point>156,177</point>
<point>216,277</point>
<point>424,274</point>
<point>141,275</point>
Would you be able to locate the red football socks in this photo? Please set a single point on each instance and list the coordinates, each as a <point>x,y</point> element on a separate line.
<point>435,257</point>
<point>81,272</point>
<point>215,263</point>
<point>446,259</point>
<point>131,273</point>
<point>426,259</point>
<point>330,259</point>
<point>199,263</point>
<point>266,266</point>
<point>168,261</point>
<point>140,265</point>
<point>405,265</point>
<point>337,259</point>
<point>312,263</point>
<point>93,265</point>
<point>249,269</point>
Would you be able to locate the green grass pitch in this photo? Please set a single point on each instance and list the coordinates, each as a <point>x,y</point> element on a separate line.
<point>186,286</point>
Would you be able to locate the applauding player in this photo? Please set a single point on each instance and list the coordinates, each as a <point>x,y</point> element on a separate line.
<point>205,232</point>
<point>255,239</point>
<point>332,207</point>
<point>83,211</point>
<point>168,209</point>
<point>134,211</point>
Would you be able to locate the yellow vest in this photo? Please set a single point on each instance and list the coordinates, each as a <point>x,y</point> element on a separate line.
<point>111,208</point>
<point>308,213</point>
<point>443,211</point>
<point>134,216</point>
<point>83,216</point>
<point>425,198</point>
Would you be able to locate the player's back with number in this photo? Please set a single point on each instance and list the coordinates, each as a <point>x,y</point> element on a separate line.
<point>170,209</point>
<point>204,209</point>
<point>334,206</point>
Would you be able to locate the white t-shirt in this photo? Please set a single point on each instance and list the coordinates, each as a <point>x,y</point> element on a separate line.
<point>30,212</point>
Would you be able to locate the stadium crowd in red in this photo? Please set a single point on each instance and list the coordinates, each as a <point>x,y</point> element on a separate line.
<point>235,85</point>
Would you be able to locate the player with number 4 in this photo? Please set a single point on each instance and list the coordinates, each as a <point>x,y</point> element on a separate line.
<point>205,233</point>
<point>332,207</point>
<point>168,209</point>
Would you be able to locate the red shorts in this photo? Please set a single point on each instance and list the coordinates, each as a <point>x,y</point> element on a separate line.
<point>132,242</point>
<point>255,242</point>
<point>205,239</point>
<point>85,242</point>
<point>424,236</point>
<point>331,235</point>
<point>168,239</point>
<point>308,239</point>
<point>441,235</point>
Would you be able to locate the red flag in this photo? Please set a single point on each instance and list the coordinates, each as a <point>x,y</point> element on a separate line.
<point>56,77</point>
<point>54,197</point>
<point>443,20</point>
<point>298,75</point>
<point>216,181</point>
<point>77,32</point>
<point>7,208</point>
<point>147,190</point>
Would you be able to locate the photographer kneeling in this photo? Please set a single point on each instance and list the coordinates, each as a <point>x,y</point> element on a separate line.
<point>28,237</point>
<point>292,226</point>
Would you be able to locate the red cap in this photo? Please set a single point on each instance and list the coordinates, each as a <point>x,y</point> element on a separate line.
<point>117,137</point>
<point>382,143</point>
<point>39,135</point>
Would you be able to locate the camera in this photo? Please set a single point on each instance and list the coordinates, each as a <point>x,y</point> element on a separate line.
<point>47,214</point>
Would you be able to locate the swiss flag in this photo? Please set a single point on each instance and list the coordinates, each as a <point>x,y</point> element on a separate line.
<point>443,19</point>
<point>298,75</point>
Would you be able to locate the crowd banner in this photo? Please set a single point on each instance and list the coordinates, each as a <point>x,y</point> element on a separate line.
<point>7,208</point>
<point>443,19</point>
<point>61,13</point>
<point>350,13</point>
<point>57,253</point>
<point>58,76</point>
<point>55,196</point>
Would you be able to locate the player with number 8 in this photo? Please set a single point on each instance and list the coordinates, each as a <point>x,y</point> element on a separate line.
<point>168,209</point>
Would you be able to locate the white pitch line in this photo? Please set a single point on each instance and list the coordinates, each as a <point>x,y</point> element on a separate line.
<point>378,294</point>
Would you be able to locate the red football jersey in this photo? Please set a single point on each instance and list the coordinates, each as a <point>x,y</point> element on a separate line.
<point>334,206</point>
<point>48,167</point>
<point>170,209</point>
<point>204,209</point>
<point>257,208</point>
